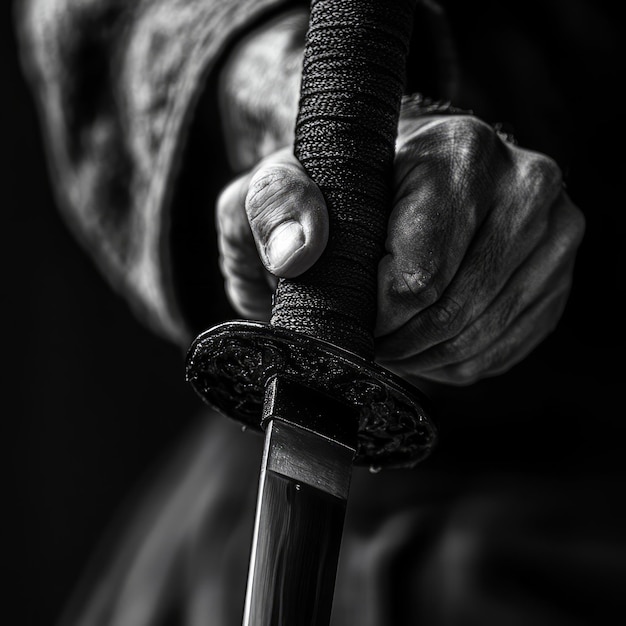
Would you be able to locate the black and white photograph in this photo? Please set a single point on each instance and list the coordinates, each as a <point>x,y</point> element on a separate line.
<point>313,313</point>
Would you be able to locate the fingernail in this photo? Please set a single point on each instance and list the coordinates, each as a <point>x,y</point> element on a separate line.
<point>284,242</point>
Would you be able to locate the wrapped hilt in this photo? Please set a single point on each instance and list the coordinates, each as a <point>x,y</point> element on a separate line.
<point>321,331</point>
<point>352,83</point>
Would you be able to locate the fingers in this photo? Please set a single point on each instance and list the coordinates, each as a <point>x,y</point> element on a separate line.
<point>271,223</point>
<point>287,215</point>
<point>493,252</point>
<point>443,195</point>
<point>245,278</point>
<point>480,253</point>
<point>522,335</point>
<point>516,318</point>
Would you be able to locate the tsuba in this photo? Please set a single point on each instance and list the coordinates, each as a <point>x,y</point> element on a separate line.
<point>229,365</point>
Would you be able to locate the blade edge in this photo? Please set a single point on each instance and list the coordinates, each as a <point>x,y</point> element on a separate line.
<point>303,488</point>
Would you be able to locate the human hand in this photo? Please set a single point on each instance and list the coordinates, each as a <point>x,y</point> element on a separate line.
<point>479,254</point>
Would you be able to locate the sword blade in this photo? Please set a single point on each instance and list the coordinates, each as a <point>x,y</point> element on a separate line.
<point>304,484</point>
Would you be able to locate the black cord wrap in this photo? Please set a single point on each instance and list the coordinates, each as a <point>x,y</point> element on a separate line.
<point>352,84</point>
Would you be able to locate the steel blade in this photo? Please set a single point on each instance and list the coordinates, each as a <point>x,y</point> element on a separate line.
<point>303,488</point>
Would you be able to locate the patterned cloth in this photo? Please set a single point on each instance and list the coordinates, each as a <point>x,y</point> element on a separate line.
<point>117,84</point>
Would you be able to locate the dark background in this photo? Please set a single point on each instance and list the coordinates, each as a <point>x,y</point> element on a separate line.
<point>92,400</point>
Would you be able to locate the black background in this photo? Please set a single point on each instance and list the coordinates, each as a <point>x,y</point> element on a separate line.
<point>92,400</point>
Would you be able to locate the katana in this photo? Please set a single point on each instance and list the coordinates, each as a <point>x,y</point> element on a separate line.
<point>308,378</point>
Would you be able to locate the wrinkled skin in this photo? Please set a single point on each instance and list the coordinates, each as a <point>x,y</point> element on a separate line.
<point>479,253</point>
<point>480,249</point>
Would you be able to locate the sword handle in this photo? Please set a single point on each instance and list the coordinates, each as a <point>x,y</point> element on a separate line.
<point>352,83</point>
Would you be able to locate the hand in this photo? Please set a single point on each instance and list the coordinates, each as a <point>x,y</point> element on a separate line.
<point>479,254</point>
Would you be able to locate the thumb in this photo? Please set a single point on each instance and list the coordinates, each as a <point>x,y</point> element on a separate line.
<point>287,215</point>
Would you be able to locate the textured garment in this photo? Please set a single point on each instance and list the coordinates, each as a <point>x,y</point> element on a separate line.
<point>117,83</point>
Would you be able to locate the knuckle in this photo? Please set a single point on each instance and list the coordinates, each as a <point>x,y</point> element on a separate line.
<point>231,223</point>
<point>458,348</point>
<point>408,285</point>
<point>274,191</point>
<point>542,175</point>
<point>264,187</point>
<point>464,149</point>
<point>446,318</point>
<point>470,131</point>
<point>467,139</point>
<point>472,145</point>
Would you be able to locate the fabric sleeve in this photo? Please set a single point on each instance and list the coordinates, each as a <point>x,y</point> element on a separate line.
<point>117,85</point>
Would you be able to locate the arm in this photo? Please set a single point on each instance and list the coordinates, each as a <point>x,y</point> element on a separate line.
<point>117,86</point>
<point>480,249</point>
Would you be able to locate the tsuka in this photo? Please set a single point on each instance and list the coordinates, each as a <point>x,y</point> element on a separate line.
<point>352,83</point>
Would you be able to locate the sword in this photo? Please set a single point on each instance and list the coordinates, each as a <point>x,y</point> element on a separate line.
<point>308,378</point>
